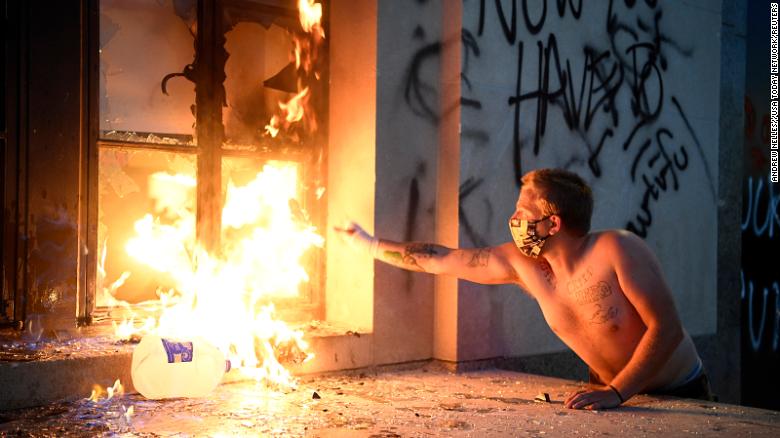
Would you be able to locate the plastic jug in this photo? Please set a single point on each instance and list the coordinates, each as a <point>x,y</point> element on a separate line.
<point>167,368</point>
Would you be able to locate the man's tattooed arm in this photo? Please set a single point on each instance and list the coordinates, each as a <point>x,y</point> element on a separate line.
<point>480,265</point>
<point>478,258</point>
<point>419,257</point>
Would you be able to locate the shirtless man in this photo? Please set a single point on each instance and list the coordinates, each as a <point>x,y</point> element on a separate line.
<point>601,292</point>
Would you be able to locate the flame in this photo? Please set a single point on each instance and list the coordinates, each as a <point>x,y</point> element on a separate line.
<point>292,112</point>
<point>97,391</point>
<point>305,53</point>
<point>266,234</point>
<point>310,14</point>
<point>272,128</point>
<point>226,298</point>
<point>298,52</point>
<point>117,389</point>
<point>127,328</point>
<point>107,298</point>
<point>294,108</point>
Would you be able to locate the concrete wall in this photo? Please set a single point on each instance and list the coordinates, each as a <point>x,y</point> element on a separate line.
<point>351,160</point>
<point>407,142</point>
<point>637,118</point>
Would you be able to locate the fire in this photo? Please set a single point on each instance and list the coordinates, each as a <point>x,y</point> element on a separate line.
<point>310,14</point>
<point>128,412</point>
<point>226,299</point>
<point>117,389</point>
<point>305,52</point>
<point>272,128</point>
<point>292,112</point>
<point>294,108</point>
<point>97,391</point>
<point>107,296</point>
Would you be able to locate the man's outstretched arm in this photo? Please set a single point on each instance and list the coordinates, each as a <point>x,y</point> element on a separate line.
<point>488,265</point>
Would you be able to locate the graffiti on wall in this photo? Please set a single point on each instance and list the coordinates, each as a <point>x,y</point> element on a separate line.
<point>760,288</point>
<point>632,59</point>
<point>760,282</point>
<point>610,95</point>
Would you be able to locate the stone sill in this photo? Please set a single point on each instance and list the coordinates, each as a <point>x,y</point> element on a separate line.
<point>69,370</point>
<point>424,401</point>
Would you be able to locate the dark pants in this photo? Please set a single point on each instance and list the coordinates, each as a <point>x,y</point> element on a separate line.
<point>698,388</point>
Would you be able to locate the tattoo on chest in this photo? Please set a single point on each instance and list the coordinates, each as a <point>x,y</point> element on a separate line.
<point>480,258</point>
<point>580,282</point>
<point>602,314</point>
<point>592,293</point>
<point>548,273</point>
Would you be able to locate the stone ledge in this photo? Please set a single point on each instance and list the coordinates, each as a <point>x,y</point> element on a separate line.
<point>418,402</point>
<point>67,376</point>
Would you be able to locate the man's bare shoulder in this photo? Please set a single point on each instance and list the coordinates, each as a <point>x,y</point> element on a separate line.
<point>624,250</point>
<point>617,242</point>
<point>526,269</point>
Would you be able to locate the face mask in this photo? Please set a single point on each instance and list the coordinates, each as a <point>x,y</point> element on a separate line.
<point>525,237</point>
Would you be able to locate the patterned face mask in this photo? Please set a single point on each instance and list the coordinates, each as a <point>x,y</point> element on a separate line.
<point>525,237</point>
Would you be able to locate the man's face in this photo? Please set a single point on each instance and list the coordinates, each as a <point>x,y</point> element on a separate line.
<point>526,207</point>
<point>528,227</point>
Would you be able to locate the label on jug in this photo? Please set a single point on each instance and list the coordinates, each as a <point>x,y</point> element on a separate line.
<point>178,351</point>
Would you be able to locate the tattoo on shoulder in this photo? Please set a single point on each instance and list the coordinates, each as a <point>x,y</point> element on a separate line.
<point>480,258</point>
<point>602,315</point>
<point>593,293</point>
<point>549,275</point>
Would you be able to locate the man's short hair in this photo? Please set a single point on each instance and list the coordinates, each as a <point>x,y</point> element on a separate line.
<point>565,194</point>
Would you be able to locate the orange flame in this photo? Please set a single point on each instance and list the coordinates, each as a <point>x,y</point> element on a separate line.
<point>294,108</point>
<point>261,260</point>
<point>304,56</point>
<point>97,391</point>
<point>292,112</point>
<point>232,291</point>
<point>310,14</point>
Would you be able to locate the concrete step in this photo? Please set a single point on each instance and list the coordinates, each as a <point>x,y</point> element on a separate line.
<point>38,373</point>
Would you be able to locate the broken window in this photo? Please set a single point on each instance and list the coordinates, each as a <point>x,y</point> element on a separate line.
<point>209,111</point>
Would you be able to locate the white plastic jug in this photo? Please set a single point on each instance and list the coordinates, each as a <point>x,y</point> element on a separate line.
<point>167,368</point>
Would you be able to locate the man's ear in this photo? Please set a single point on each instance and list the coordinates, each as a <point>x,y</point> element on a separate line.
<point>555,225</point>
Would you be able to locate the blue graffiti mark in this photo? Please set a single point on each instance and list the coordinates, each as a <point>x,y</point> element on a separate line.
<point>757,336</point>
<point>750,219</point>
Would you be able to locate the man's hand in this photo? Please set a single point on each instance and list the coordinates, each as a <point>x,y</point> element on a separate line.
<point>602,397</point>
<point>358,238</point>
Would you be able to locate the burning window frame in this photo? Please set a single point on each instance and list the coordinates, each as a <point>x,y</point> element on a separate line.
<point>215,18</point>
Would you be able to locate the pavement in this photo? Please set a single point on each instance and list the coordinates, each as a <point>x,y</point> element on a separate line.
<point>425,401</point>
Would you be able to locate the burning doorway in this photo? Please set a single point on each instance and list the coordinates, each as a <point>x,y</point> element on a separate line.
<point>152,141</point>
<point>211,166</point>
